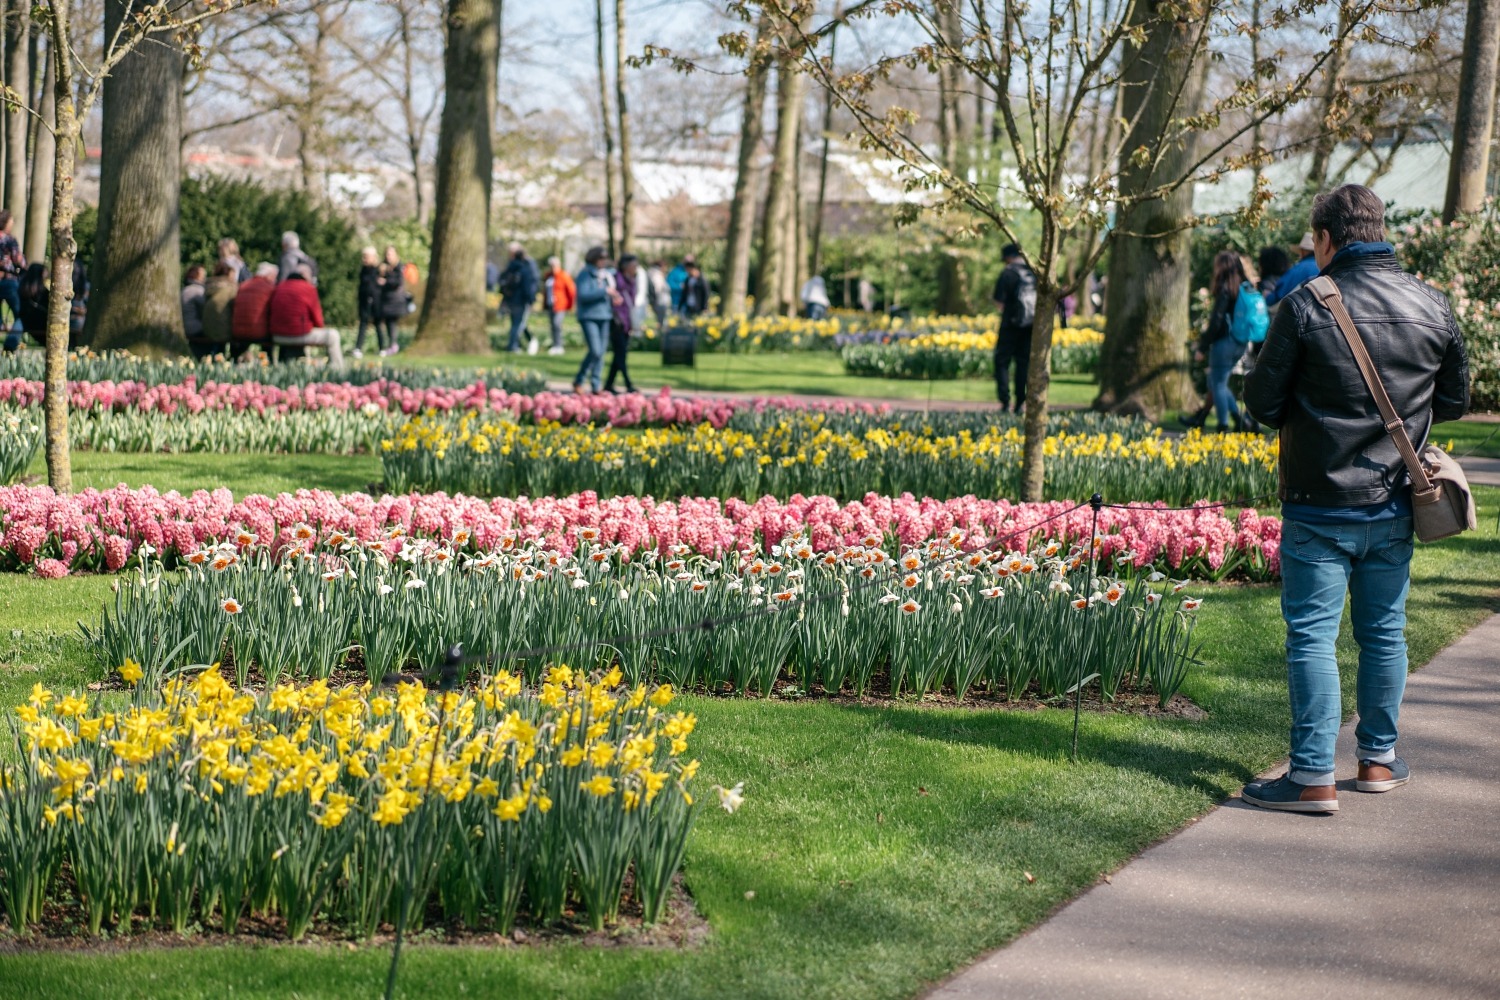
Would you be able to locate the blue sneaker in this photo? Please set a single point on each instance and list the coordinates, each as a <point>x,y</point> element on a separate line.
<point>1375,777</point>
<point>1287,795</point>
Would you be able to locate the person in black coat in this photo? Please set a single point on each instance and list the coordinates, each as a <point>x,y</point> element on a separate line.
<point>368,298</point>
<point>395,300</point>
<point>35,299</point>
<point>695,293</point>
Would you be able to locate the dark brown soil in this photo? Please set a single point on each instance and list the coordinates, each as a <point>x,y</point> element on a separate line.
<point>63,929</point>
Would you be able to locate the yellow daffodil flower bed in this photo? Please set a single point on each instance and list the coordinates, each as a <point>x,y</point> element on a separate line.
<point>201,802</point>
<point>958,354</point>
<point>745,333</point>
<point>814,453</point>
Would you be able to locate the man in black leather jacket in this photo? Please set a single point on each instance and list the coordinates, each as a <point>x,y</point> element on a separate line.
<point>1346,496</point>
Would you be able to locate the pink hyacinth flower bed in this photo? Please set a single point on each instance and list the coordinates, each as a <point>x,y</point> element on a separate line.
<point>633,410</point>
<point>55,534</point>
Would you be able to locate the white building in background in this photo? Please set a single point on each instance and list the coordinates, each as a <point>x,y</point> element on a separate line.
<point>1412,178</point>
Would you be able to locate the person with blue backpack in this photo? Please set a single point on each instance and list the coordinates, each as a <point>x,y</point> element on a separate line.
<point>1238,320</point>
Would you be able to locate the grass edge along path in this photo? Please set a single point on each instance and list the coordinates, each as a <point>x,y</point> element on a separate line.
<point>879,849</point>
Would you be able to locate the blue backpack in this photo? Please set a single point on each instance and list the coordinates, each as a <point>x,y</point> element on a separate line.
<point>1251,319</point>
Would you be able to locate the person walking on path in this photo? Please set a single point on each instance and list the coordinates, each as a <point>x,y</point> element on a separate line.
<point>1345,491</point>
<point>596,301</point>
<point>395,300</point>
<point>252,310</point>
<point>367,298</point>
<point>1015,297</point>
<point>1218,345</point>
<point>36,298</point>
<point>296,318</point>
<point>1298,274</point>
<point>658,292</point>
<point>815,304</point>
<point>518,287</point>
<point>219,293</point>
<point>293,258</point>
<point>693,301</point>
<point>677,277</point>
<point>630,289</point>
<point>559,295</point>
<point>12,267</point>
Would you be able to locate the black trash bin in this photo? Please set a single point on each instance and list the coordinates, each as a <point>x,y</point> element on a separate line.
<point>679,346</point>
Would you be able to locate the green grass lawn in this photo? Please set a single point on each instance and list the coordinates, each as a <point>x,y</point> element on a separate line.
<point>1463,438</point>
<point>808,373</point>
<point>879,849</point>
<point>242,473</point>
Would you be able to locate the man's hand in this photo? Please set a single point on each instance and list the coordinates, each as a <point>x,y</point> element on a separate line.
<point>615,298</point>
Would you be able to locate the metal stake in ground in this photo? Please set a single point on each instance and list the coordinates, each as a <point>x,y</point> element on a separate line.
<point>1096,502</point>
<point>443,680</point>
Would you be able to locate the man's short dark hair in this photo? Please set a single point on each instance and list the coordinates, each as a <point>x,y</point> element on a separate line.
<point>1349,214</point>
<point>1010,250</point>
<point>595,255</point>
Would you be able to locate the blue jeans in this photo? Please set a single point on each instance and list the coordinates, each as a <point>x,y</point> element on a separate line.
<point>1371,561</point>
<point>10,294</point>
<point>1223,355</point>
<point>518,316</point>
<point>596,335</point>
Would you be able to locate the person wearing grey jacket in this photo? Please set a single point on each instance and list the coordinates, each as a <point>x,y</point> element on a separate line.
<point>597,298</point>
<point>292,257</point>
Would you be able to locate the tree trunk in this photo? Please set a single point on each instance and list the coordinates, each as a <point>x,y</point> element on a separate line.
<point>39,204</point>
<point>1468,169</point>
<point>780,191</point>
<point>610,201</point>
<point>453,308</point>
<point>1333,77</point>
<point>950,77</point>
<point>742,207</point>
<point>796,242</point>
<point>817,220</point>
<point>627,177</point>
<point>137,267</point>
<point>1143,364</point>
<point>1038,378</point>
<point>65,151</point>
<point>17,124</point>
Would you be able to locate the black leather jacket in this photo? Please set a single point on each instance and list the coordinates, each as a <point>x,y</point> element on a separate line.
<point>1334,448</point>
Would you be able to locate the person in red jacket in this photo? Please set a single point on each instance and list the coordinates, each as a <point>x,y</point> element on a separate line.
<point>252,309</point>
<point>296,318</point>
<point>561,295</point>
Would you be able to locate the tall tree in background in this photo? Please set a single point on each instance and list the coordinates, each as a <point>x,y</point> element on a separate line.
<point>43,152</point>
<point>610,182</point>
<point>17,126</point>
<point>627,176</point>
<point>1142,369</point>
<point>135,301</point>
<point>415,29</point>
<point>1041,74</point>
<point>816,254</point>
<point>1473,126</point>
<point>81,73</point>
<point>453,308</point>
<point>741,235</point>
<point>1333,106</point>
<point>778,242</point>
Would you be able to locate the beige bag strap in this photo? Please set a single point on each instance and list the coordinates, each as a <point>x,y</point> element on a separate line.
<point>1328,293</point>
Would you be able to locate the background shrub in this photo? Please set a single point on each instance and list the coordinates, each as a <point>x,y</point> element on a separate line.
<point>215,207</point>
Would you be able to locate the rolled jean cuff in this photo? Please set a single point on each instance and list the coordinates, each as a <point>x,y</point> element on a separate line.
<point>1315,778</point>
<point>1376,756</point>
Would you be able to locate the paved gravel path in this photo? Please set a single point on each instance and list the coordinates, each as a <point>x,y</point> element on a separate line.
<point>1395,896</point>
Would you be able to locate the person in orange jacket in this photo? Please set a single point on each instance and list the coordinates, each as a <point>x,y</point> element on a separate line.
<point>560,295</point>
